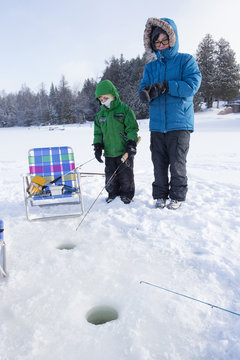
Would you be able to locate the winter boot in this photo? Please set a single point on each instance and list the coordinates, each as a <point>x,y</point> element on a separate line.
<point>174,204</point>
<point>110,198</point>
<point>160,203</point>
<point>125,200</point>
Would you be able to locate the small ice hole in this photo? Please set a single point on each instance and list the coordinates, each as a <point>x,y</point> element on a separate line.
<point>66,247</point>
<point>101,314</point>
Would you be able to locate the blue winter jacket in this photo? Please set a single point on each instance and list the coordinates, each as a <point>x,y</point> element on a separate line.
<point>173,110</point>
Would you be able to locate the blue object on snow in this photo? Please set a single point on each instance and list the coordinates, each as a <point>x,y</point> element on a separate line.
<point>1,230</point>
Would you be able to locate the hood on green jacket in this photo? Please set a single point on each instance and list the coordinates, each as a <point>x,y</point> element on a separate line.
<point>106,87</point>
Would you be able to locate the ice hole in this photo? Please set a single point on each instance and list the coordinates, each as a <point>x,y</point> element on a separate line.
<point>101,314</point>
<point>66,246</point>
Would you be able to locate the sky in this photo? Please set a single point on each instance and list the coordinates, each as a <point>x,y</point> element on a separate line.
<point>43,40</point>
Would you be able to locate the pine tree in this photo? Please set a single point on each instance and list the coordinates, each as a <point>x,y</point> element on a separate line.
<point>64,105</point>
<point>42,109</point>
<point>228,76</point>
<point>26,105</point>
<point>52,105</point>
<point>8,110</point>
<point>126,76</point>
<point>116,72</point>
<point>206,59</point>
<point>88,103</point>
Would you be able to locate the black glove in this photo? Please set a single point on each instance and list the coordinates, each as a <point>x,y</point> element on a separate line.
<point>131,148</point>
<point>144,94</point>
<point>152,91</point>
<point>157,89</point>
<point>98,148</point>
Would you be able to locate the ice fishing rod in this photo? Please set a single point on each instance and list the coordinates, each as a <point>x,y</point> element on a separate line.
<point>69,172</point>
<point>191,298</point>
<point>87,161</point>
<point>111,178</point>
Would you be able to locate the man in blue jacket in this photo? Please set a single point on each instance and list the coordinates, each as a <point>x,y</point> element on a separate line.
<point>168,86</point>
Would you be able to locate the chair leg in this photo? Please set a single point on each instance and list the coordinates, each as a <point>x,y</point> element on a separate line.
<point>3,271</point>
<point>25,186</point>
<point>3,266</point>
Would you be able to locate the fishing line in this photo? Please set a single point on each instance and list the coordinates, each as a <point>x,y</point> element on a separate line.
<point>110,179</point>
<point>189,297</point>
<point>87,162</point>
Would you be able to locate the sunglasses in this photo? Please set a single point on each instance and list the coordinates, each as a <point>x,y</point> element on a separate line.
<point>163,42</point>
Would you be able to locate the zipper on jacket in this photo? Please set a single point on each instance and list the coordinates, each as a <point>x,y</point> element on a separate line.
<point>165,99</point>
<point>163,60</point>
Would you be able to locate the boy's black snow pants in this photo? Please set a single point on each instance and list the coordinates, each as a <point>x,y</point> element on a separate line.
<point>169,152</point>
<point>123,182</point>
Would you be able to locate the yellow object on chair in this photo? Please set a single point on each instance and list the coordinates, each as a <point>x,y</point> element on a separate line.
<point>36,185</point>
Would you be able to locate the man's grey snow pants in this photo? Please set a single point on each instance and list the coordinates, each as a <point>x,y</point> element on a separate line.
<point>169,153</point>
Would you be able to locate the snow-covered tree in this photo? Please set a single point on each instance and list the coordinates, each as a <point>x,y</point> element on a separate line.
<point>42,109</point>
<point>88,104</point>
<point>227,72</point>
<point>126,76</point>
<point>64,105</point>
<point>206,59</point>
<point>8,110</point>
<point>116,72</point>
<point>52,105</point>
<point>26,107</point>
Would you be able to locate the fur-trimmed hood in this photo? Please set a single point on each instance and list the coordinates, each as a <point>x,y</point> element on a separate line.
<point>167,25</point>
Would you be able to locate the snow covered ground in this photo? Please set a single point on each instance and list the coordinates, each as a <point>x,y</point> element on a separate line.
<point>193,251</point>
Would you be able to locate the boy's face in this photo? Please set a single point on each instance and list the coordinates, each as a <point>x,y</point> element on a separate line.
<point>103,99</point>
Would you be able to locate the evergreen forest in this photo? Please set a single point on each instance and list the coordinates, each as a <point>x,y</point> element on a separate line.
<point>62,105</point>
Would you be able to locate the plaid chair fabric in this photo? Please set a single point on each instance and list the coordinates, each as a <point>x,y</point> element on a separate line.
<point>51,163</point>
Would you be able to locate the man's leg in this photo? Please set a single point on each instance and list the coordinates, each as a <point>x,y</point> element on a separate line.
<point>160,159</point>
<point>178,146</point>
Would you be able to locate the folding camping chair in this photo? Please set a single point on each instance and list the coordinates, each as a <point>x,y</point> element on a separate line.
<point>3,271</point>
<point>51,163</point>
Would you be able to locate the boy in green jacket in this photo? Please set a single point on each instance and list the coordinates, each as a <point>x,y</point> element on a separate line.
<point>115,118</point>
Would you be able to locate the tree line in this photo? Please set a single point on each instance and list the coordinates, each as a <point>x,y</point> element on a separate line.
<point>216,61</point>
<point>220,72</point>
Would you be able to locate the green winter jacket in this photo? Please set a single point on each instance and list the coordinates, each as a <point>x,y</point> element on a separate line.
<point>109,122</point>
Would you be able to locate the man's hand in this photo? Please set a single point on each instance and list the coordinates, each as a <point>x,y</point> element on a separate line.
<point>151,92</point>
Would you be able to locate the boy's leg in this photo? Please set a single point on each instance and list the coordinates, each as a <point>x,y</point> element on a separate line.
<point>126,179</point>
<point>112,188</point>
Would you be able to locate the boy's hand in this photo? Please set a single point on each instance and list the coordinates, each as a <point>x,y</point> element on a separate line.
<point>98,148</point>
<point>131,148</point>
